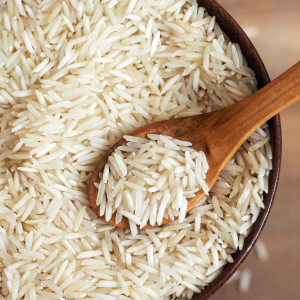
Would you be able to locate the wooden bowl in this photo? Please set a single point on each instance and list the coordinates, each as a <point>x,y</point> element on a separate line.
<point>237,35</point>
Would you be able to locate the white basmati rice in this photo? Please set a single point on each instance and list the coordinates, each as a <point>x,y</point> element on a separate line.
<point>261,250</point>
<point>244,281</point>
<point>139,189</point>
<point>75,77</point>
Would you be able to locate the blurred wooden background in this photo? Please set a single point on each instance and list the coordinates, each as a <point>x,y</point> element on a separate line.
<point>274,28</point>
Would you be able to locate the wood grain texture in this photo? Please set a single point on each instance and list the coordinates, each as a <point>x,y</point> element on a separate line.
<point>277,40</point>
<point>219,134</point>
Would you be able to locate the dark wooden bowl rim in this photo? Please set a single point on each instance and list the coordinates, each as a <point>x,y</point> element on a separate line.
<point>237,35</point>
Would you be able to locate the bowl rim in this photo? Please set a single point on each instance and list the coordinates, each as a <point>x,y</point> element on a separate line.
<point>236,34</point>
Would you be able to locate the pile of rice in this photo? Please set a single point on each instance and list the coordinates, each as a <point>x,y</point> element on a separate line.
<point>151,180</point>
<point>75,76</point>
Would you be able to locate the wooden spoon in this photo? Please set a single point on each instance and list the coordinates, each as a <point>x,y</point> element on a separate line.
<point>219,134</point>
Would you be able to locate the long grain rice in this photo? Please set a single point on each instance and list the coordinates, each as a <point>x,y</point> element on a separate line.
<point>75,77</point>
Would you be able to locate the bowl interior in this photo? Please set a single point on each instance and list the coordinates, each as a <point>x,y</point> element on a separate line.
<point>237,35</point>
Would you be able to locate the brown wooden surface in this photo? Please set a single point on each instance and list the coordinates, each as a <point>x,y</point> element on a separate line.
<point>219,134</point>
<point>274,28</point>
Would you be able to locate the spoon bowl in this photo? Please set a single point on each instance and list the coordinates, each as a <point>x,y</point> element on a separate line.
<point>171,128</point>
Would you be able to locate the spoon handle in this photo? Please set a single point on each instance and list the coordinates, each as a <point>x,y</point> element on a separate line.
<point>235,123</point>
